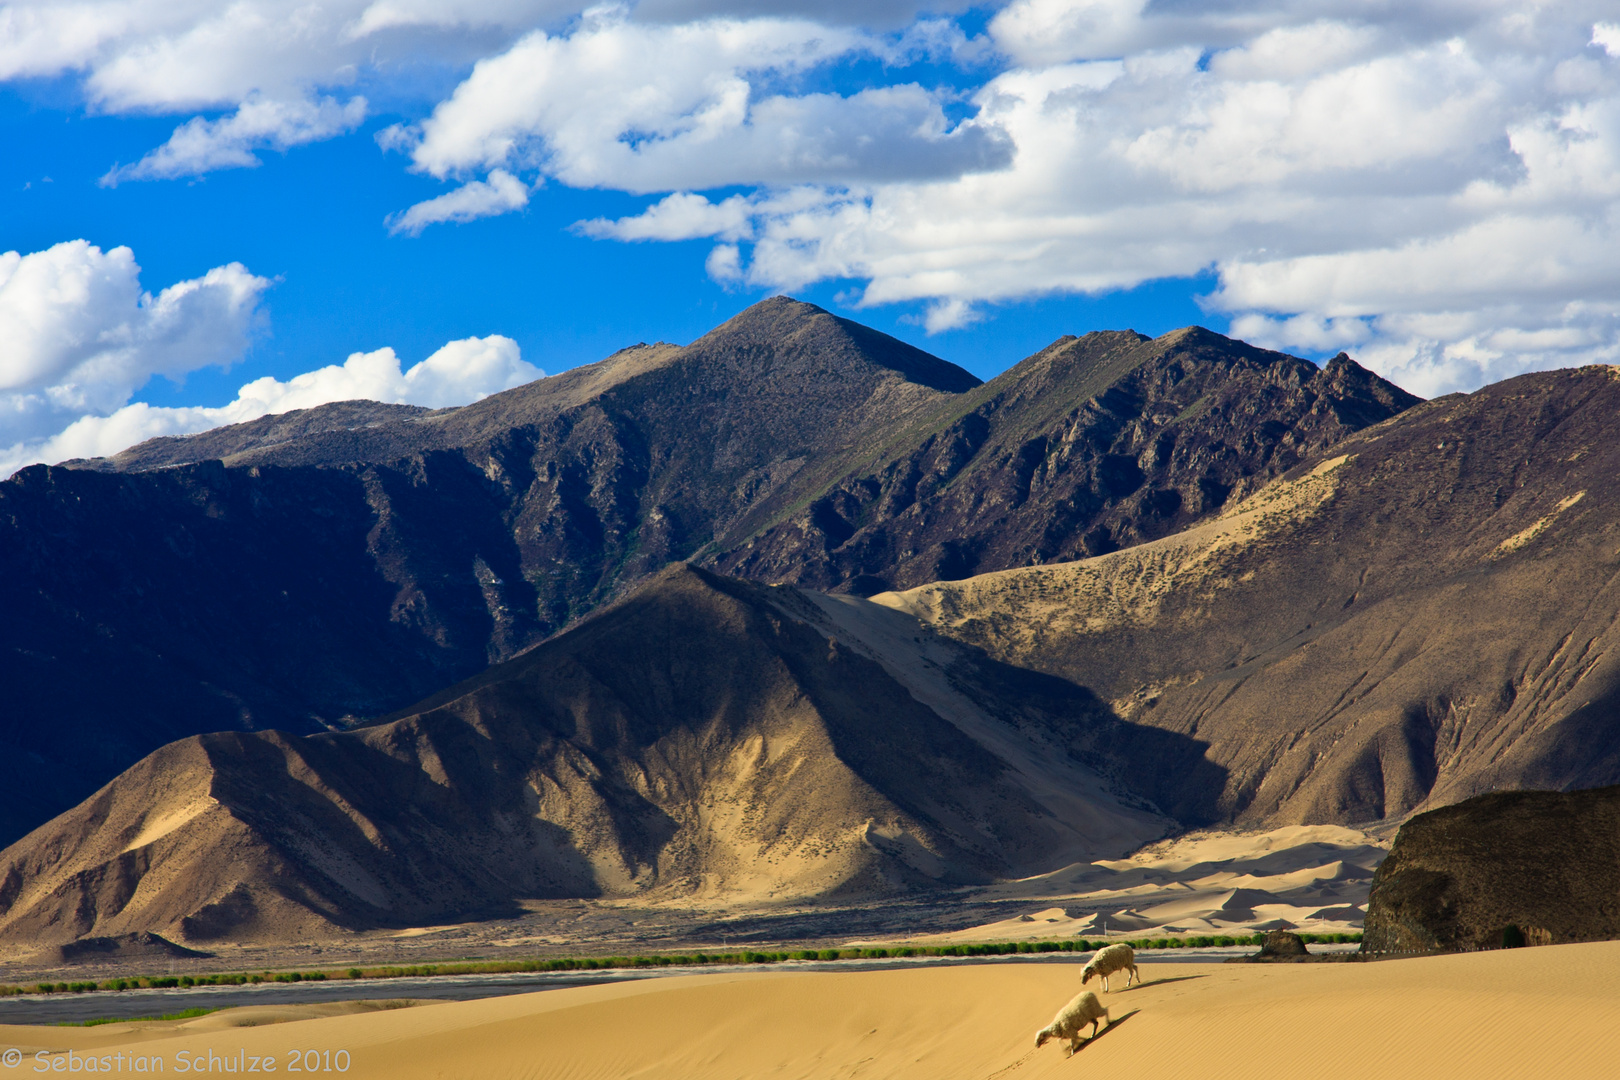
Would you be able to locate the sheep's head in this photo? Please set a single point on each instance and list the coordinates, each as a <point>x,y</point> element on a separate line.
<point>1041,1036</point>
<point>1089,973</point>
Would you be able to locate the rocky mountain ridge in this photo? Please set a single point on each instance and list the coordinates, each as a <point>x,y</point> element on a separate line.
<point>338,564</point>
<point>1091,445</point>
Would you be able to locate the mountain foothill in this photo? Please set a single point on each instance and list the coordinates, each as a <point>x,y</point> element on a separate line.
<point>794,614</point>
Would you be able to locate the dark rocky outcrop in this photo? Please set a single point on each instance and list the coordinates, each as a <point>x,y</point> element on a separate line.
<point>1504,869</point>
<point>1282,945</point>
<point>1287,947</point>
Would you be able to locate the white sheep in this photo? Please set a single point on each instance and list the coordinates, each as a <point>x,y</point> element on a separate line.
<point>1115,958</point>
<point>1083,1009</point>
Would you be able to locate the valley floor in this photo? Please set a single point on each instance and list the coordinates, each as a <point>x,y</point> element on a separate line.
<point>1309,878</point>
<point>1540,1011</point>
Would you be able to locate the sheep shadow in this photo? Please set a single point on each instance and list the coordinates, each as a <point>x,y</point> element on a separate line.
<point>1105,1030</point>
<point>1157,982</point>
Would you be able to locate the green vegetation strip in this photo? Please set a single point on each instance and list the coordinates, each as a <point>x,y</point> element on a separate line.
<point>183,1014</point>
<point>502,967</point>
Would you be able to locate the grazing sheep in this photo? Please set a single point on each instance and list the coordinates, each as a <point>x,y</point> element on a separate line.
<point>1113,959</point>
<point>1083,1009</point>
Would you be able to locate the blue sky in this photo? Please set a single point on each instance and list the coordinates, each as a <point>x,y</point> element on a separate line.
<point>343,283</point>
<point>209,209</point>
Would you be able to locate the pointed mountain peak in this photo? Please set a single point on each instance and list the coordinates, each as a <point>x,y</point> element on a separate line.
<point>1084,366</point>
<point>773,316</point>
<point>782,328</point>
<point>1195,337</point>
<point>1186,334</point>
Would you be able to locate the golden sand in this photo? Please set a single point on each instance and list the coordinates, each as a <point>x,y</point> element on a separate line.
<point>1551,1011</point>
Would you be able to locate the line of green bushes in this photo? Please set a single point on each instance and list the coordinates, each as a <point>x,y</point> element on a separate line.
<point>158,982</point>
<point>502,967</point>
<point>183,1014</point>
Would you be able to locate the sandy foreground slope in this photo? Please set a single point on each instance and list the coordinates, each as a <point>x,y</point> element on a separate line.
<point>1545,1012</point>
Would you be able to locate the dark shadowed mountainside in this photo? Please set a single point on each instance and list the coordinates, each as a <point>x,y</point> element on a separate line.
<point>1425,614</point>
<point>705,738</point>
<point>369,561</point>
<point>305,570</point>
<point>1511,868</point>
<point>1091,445</point>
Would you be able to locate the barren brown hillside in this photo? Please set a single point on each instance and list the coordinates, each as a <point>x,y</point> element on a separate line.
<point>1425,614</point>
<point>706,739</point>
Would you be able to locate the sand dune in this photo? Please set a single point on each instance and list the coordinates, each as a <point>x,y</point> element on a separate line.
<point>1309,878</point>
<point>1548,1011</point>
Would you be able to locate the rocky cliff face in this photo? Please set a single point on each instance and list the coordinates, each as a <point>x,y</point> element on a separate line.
<point>1092,445</point>
<point>301,571</point>
<point>1511,868</point>
<point>705,738</point>
<point>1426,614</point>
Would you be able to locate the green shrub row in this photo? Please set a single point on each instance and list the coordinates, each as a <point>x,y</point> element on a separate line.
<point>162,982</point>
<point>665,960</point>
<point>748,957</point>
<point>701,958</point>
<point>184,1014</point>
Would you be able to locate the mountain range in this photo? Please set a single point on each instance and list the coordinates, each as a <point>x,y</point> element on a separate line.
<point>795,613</point>
<point>304,571</point>
<point>1425,613</point>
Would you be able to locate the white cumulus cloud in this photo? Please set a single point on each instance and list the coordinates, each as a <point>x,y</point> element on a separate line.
<point>499,194</point>
<point>681,216</point>
<point>460,372</point>
<point>172,56</point>
<point>1435,188</point>
<point>201,146</point>
<point>279,66</point>
<point>645,107</point>
<point>82,336</point>
<point>1606,36</point>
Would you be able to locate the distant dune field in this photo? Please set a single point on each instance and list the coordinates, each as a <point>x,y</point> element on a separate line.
<point>1528,1012</point>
